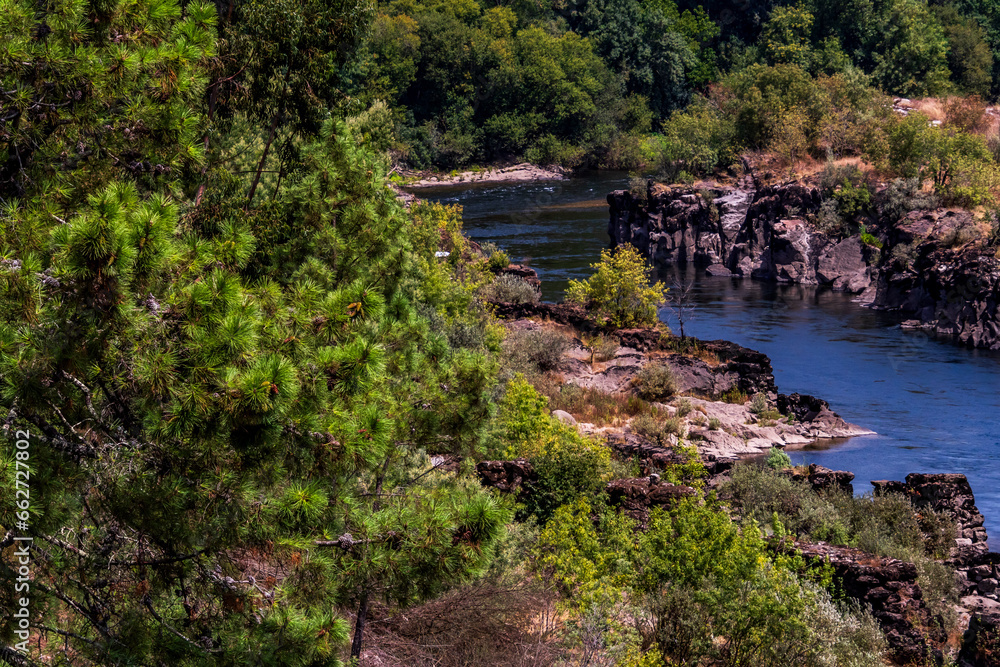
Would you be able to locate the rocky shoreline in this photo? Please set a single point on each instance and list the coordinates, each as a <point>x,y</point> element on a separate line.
<point>519,173</point>
<point>724,433</point>
<point>935,269</point>
<point>702,380</point>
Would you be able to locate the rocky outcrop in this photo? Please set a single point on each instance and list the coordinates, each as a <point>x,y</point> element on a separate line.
<point>941,274</point>
<point>525,273</point>
<point>821,478</point>
<point>948,493</point>
<point>740,231</point>
<point>935,268</point>
<point>635,497</point>
<point>890,588</point>
<point>981,641</point>
<point>519,173</point>
<point>652,457</point>
<point>507,476</point>
<point>560,313</point>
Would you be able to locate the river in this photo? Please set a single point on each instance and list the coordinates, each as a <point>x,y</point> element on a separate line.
<point>935,406</point>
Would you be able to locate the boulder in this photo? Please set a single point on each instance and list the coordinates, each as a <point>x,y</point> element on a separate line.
<point>890,588</point>
<point>564,417</point>
<point>636,496</point>
<point>514,476</point>
<point>944,492</point>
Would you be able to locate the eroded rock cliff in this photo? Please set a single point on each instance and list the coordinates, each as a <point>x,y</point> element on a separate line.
<point>934,268</point>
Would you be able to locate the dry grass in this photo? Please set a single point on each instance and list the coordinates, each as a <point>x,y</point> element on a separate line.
<point>474,625</point>
<point>592,405</point>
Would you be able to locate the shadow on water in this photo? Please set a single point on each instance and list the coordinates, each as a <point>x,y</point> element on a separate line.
<point>935,406</point>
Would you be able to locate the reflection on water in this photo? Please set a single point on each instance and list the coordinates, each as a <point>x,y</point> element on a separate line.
<point>934,405</point>
<point>558,228</point>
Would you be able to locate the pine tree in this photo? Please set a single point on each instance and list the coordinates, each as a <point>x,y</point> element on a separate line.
<point>229,414</point>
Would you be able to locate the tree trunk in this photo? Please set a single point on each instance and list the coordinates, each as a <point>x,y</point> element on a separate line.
<point>211,112</point>
<point>359,626</point>
<point>270,137</point>
<point>263,158</point>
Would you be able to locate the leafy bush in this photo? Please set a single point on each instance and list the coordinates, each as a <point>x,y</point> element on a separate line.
<point>496,258</point>
<point>903,195</point>
<point>868,239</point>
<point>758,404</point>
<point>777,459</point>
<point>657,429</point>
<point>655,382</point>
<point>885,525</point>
<point>714,424</point>
<point>828,219</point>
<point>735,397</point>
<point>535,350</point>
<point>683,407</point>
<point>604,347</point>
<point>620,289</point>
<point>508,288</point>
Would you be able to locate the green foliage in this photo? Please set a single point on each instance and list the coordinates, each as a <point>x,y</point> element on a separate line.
<point>777,459</point>
<point>243,382</point>
<point>657,428</point>
<point>655,382</point>
<point>735,396</point>
<point>712,591</point>
<point>119,97</point>
<point>508,288</point>
<point>961,166</point>
<point>569,465</point>
<point>885,525</point>
<point>619,293</point>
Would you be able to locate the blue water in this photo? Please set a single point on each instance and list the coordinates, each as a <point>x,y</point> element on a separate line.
<point>935,406</point>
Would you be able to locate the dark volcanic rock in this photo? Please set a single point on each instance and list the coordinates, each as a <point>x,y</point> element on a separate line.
<point>561,313</point>
<point>653,457</point>
<point>636,496</point>
<point>890,587</point>
<point>950,287</point>
<point>949,493</point>
<point>508,476</point>
<point>936,268</point>
<point>526,273</point>
<point>804,407</point>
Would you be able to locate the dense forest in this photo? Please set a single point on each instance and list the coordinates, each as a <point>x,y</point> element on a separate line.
<point>253,385</point>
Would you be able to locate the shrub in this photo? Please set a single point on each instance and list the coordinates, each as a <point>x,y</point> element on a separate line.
<point>655,382</point>
<point>497,259</point>
<point>758,404</point>
<point>620,289</point>
<point>868,239</point>
<point>828,219</point>
<point>683,407</point>
<point>903,195</point>
<point>603,347</point>
<point>735,397</point>
<point>714,424</point>
<point>533,350</point>
<point>508,288</point>
<point>778,459</point>
<point>594,405</point>
<point>967,114</point>
<point>657,429</point>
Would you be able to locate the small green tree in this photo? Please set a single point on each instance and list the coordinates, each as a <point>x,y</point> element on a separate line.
<point>620,289</point>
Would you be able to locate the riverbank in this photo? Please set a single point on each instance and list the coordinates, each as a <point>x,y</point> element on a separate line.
<point>724,406</point>
<point>938,268</point>
<point>723,399</point>
<point>519,173</point>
